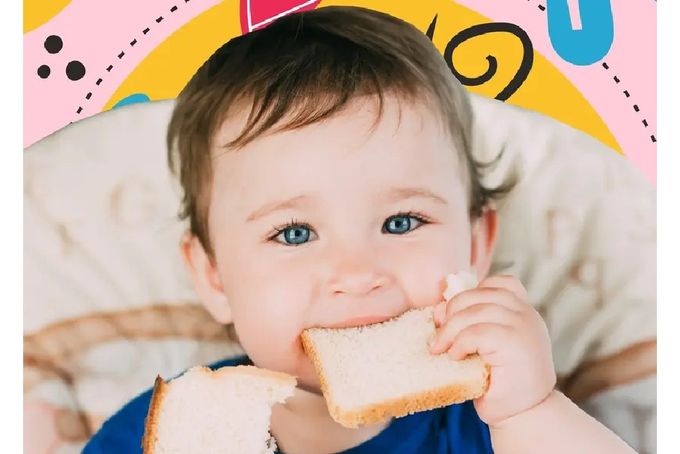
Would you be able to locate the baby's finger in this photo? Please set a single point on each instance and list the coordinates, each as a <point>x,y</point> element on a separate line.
<point>508,282</point>
<point>476,314</point>
<point>482,338</point>
<point>469,298</point>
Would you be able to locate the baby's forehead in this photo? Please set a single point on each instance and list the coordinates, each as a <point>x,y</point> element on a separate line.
<point>232,123</point>
<point>404,148</point>
<point>360,119</point>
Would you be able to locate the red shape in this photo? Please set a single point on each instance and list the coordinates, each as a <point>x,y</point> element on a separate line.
<point>259,13</point>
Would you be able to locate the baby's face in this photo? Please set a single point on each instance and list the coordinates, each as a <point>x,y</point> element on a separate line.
<point>335,225</point>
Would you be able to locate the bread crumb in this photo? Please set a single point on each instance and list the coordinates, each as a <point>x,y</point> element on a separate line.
<point>459,282</point>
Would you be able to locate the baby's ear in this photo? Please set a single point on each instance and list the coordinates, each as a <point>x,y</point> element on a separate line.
<point>205,277</point>
<point>483,235</point>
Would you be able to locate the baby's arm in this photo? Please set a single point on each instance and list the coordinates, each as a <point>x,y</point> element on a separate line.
<point>524,412</point>
<point>556,425</point>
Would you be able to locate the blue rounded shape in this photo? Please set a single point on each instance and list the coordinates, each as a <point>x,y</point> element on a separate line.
<point>132,99</point>
<point>588,44</point>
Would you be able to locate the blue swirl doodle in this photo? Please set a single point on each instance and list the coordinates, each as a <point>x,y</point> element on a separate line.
<point>132,99</point>
<point>589,44</point>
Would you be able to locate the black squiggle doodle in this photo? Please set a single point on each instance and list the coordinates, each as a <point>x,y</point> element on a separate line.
<point>430,30</point>
<point>482,29</point>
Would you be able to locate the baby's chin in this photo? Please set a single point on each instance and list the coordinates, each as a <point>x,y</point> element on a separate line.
<point>307,377</point>
<point>310,389</point>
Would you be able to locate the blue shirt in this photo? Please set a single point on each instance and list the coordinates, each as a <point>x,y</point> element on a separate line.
<point>454,429</point>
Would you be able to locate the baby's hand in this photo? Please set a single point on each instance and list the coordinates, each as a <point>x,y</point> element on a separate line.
<point>496,321</point>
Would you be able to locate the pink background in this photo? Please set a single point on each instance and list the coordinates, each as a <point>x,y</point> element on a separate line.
<point>97,32</point>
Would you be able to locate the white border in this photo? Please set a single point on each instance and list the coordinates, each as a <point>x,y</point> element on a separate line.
<point>11,178</point>
<point>668,225</point>
<point>668,221</point>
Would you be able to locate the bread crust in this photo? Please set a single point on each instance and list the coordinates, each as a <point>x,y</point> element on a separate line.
<point>402,406</point>
<point>160,389</point>
<point>409,404</point>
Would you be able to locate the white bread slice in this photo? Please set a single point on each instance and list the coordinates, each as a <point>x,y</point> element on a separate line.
<point>222,411</point>
<point>374,372</point>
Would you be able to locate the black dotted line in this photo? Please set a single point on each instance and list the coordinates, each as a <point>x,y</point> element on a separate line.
<point>541,7</point>
<point>159,19</point>
<point>636,108</point>
<point>626,93</point>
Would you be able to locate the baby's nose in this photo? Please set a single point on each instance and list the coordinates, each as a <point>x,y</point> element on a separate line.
<point>355,271</point>
<point>357,282</point>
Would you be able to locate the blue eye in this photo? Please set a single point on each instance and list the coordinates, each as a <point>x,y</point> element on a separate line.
<point>294,235</point>
<point>401,223</point>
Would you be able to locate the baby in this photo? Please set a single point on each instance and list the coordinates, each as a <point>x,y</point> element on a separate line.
<point>328,181</point>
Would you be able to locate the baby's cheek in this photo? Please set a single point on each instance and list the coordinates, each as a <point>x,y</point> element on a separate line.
<point>270,333</point>
<point>424,272</point>
<point>269,293</point>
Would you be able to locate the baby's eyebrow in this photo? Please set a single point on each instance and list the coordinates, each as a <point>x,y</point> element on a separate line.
<point>401,193</point>
<point>277,205</point>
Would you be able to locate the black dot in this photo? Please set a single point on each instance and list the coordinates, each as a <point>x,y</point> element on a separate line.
<point>75,70</point>
<point>53,44</point>
<point>44,71</point>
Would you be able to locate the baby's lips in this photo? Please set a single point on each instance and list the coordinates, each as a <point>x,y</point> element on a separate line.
<point>360,321</point>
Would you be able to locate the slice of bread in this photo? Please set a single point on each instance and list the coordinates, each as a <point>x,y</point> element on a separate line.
<point>222,411</point>
<point>374,372</point>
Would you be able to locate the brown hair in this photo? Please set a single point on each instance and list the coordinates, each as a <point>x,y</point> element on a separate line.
<point>301,69</point>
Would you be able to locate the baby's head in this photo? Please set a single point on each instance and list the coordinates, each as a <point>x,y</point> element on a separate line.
<point>328,179</point>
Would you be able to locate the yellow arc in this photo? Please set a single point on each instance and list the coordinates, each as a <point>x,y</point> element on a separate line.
<point>163,73</point>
